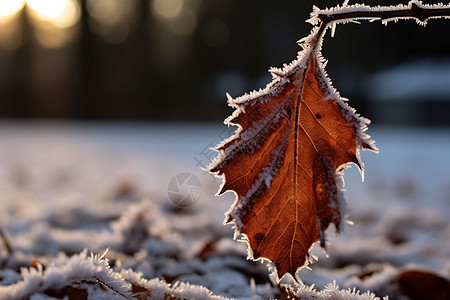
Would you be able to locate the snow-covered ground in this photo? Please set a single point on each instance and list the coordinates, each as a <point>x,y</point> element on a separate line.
<point>72,189</point>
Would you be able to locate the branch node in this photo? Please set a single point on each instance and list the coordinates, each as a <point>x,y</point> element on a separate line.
<point>419,12</point>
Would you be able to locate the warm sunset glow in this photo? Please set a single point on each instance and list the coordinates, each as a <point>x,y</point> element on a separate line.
<point>54,21</point>
<point>167,8</point>
<point>61,13</point>
<point>10,25</point>
<point>9,8</point>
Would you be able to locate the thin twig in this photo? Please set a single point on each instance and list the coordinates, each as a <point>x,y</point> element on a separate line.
<point>414,10</point>
<point>111,288</point>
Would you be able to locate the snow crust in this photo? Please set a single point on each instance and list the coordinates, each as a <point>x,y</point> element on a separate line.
<point>401,215</point>
<point>63,271</point>
<point>331,291</point>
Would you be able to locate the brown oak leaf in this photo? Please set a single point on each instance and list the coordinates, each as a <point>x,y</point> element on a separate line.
<point>284,163</point>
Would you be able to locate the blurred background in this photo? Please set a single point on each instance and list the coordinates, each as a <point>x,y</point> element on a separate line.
<point>176,59</point>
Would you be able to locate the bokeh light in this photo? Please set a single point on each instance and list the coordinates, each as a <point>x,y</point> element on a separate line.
<point>61,13</point>
<point>173,24</point>
<point>54,21</point>
<point>179,17</point>
<point>185,23</point>
<point>8,8</point>
<point>167,8</point>
<point>111,19</point>
<point>10,25</point>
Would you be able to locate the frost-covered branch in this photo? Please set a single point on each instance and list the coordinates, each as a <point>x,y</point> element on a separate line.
<point>414,10</point>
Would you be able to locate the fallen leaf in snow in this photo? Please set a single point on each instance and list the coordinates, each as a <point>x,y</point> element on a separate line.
<point>424,285</point>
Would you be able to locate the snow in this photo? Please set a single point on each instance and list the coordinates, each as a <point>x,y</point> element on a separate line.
<point>63,270</point>
<point>331,291</point>
<point>72,189</point>
<point>414,80</point>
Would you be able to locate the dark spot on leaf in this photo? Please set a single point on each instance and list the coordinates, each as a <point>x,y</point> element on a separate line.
<point>256,255</point>
<point>289,112</point>
<point>318,116</point>
<point>258,237</point>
